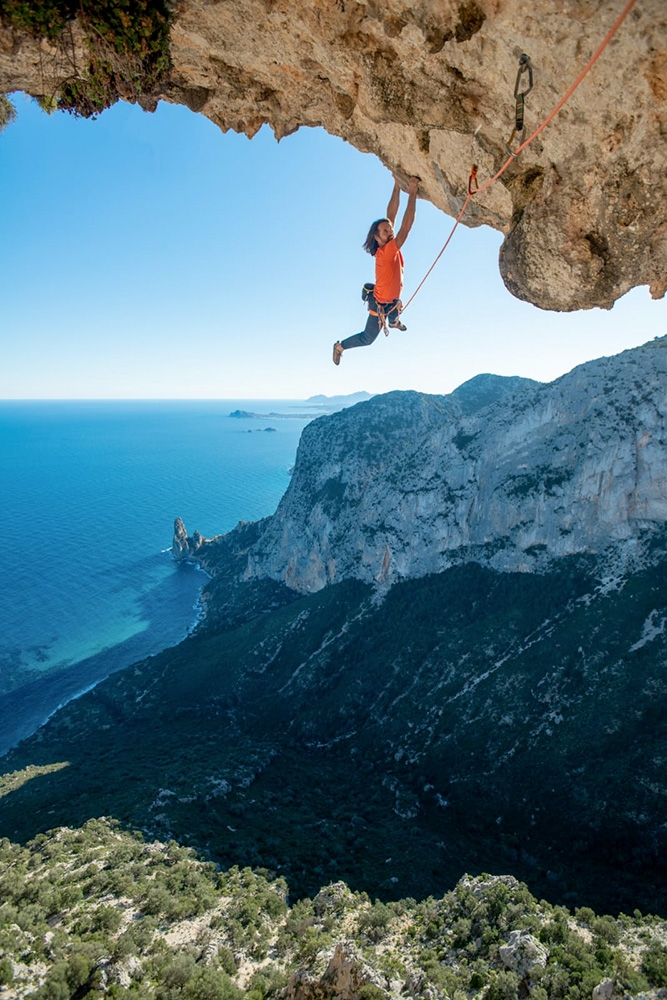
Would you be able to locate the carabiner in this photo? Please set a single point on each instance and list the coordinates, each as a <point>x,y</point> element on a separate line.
<point>525,66</point>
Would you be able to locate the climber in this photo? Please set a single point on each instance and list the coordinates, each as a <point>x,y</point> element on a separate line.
<point>384,302</point>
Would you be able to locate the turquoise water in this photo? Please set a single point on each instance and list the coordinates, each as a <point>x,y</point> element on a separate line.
<point>89,494</point>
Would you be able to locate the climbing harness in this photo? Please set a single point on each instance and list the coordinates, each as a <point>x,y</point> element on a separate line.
<point>367,294</point>
<point>525,67</point>
<point>382,316</point>
<point>472,180</point>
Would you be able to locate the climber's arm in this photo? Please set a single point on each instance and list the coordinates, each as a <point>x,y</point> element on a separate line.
<point>409,214</point>
<point>392,207</point>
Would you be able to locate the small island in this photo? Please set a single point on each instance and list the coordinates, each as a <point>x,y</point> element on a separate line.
<point>317,406</point>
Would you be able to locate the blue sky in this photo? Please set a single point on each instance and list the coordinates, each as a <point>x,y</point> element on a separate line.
<point>151,256</point>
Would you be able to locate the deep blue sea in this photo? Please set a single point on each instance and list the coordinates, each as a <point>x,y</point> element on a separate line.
<point>89,492</point>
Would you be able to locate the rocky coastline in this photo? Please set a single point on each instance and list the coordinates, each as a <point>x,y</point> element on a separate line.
<point>506,472</point>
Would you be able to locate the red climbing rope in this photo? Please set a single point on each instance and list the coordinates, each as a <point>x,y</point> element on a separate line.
<point>473,176</point>
<point>473,173</point>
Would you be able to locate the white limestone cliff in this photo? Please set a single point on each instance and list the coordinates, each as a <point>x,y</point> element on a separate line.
<point>409,484</point>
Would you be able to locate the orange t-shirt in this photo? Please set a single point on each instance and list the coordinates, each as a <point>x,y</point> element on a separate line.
<point>388,272</point>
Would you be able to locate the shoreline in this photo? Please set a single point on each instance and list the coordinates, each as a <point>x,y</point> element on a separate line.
<point>33,703</point>
<point>199,607</point>
<point>58,644</point>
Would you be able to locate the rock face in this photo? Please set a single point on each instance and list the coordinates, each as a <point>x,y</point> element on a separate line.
<point>183,547</point>
<point>523,953</point>
<point>428,87</point>
<point>506,472</point>
<point>346,974</point>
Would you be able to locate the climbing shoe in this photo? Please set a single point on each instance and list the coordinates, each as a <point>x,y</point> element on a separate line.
<point>337,352</point>
<point>398,325</point>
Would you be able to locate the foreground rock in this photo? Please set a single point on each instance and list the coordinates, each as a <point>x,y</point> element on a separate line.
<point>103,913</point>
<point>428,87</point>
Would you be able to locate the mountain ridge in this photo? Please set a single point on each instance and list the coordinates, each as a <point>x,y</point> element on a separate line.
<point>508,472</point>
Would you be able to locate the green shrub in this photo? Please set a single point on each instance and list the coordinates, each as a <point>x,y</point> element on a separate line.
<point>79,968</point>
<point>503,986</point>
<point>211,984</point>
<point>55,987</point>
<point>370,992</point>
<point>311,943</point>
<point>606,929</point>
<point>627,976</point>
<point>654,964</point>
<point>462,929</point>
<point>6,971</point>
<point>442,976</point>
<point>266,983</point>
<point>127,45</point>
<point>7,111</point>
<point>477,980</point>
<point>585,915</point>
<point>374,923</point>
<point>226,960</point>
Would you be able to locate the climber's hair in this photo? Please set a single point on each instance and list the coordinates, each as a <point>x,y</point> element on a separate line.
<point>371,243</point>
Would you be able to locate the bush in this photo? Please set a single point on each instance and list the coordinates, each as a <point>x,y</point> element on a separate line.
<point>6,972</point>
<point>585,915</point>
<point>209,984</point>
<point>177,971</point>
<point>128,47</point>
<point>606,929</point>
<point>375,922</point>
<point>266,983</point>
<point>654,964</point>
<point>370,992</point>
<point>504,986</point>
<point>7,111</point>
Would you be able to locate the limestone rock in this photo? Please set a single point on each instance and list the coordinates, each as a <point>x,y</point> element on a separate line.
<point>523,953</point>
<point>607,990</point>
<point>179,545</point>
<point>184,547</point>
<point>479,885</point>
<point>428,87</point>
<point>345,974</point>
<point>332,898</point>
<point>409,484</point>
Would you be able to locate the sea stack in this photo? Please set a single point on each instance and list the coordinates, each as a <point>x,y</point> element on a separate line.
<point>183,546</point>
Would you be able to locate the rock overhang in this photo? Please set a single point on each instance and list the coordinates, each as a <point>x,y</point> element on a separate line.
<point>428,87</point>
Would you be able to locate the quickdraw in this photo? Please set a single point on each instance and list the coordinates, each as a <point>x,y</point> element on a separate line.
<point>525,67</point>
<point>382,318</point>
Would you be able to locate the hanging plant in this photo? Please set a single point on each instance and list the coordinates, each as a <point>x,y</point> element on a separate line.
<point>126,46</point>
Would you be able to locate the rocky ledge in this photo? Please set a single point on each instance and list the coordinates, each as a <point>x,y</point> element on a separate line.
<point>428,87</point>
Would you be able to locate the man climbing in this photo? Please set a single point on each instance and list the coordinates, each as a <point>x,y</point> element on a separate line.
<point>384,301</point>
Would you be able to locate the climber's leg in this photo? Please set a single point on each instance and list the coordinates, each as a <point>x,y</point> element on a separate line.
<point>366,337</point>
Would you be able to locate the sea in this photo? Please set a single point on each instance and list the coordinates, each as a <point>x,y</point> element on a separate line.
<point>88,496</point>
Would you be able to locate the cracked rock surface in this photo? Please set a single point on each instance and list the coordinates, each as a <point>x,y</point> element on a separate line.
<point>428,87</point>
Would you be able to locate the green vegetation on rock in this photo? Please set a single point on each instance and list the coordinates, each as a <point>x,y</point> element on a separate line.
<point>96,911</point>
<point>10,782</point>
<point>125,45</point>
<point>468,721</point>
<point>7,112</point>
